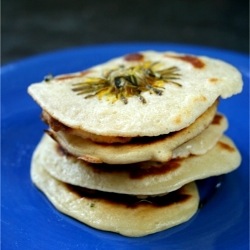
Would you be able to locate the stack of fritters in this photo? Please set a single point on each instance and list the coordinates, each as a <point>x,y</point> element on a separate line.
<point>128,138</point>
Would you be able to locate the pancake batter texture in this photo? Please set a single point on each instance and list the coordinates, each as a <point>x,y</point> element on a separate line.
<point>127,139</point>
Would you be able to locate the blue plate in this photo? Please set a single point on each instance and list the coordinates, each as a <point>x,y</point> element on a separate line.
<point>29,221</point>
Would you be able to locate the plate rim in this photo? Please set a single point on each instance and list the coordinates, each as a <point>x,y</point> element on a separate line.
<point>70,49</point>
<point>48,54</point>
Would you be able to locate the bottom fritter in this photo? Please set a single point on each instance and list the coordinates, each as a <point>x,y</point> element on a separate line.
<point>124,214</point>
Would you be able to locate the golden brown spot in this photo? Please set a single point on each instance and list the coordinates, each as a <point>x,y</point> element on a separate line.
<point>129,201</point>
<point>90,158</point>
<point>177,119</point>
<point>155,170</point>
<point>213,80</point>
<point>226,146</point>
<point>134,57</point>
<point>195,61</point>
<point>61,151</point>
<point>217,119</point>
<point>70,76</point>
<point>53,123</point>
<point>200,98</point>
<point>137,171</point>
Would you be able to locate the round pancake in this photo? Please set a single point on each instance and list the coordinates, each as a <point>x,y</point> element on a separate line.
<point>141,149</point>
<point>192,85</point>
<point>147,178</point>
<point>159,149</point>
<point>134,219</point>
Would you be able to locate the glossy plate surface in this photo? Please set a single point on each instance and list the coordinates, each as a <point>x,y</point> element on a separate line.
<point>28,219</point>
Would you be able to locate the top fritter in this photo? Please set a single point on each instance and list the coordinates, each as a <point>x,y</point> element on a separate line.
<point>144,94</point>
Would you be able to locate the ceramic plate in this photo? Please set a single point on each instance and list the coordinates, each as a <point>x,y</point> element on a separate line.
<point>28,219</point>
